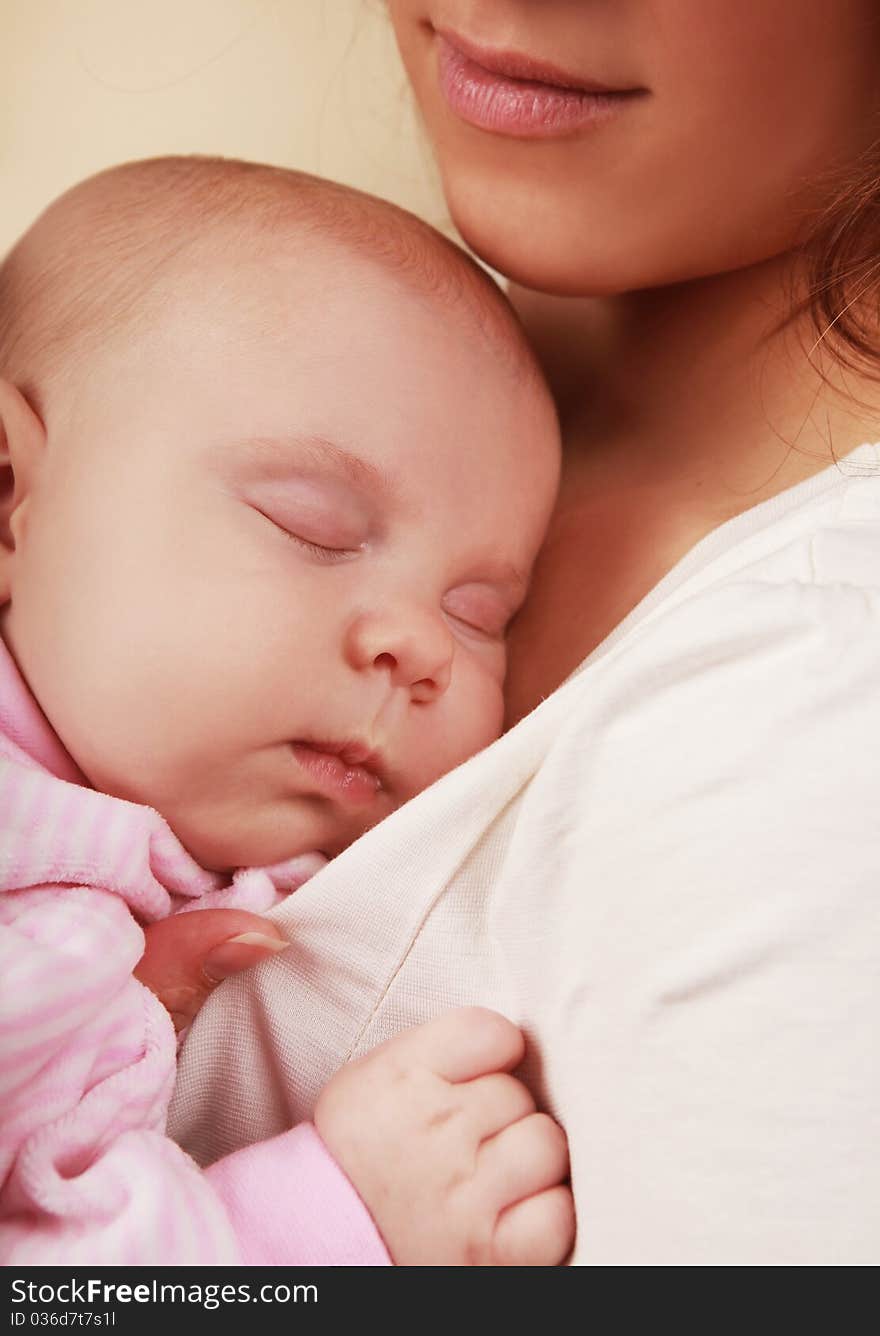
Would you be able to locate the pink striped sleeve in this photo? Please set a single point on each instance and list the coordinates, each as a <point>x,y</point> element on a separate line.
<point>86,1068</point>
<point>87,1054</point>
<point>87,1058</point>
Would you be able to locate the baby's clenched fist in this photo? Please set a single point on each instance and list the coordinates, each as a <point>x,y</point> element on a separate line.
<point>446,1149</point>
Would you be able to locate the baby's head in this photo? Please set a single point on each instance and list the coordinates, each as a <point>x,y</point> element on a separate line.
<point>277,462</point>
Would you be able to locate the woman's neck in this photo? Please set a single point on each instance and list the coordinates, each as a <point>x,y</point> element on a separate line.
<point>679,410</point>
<point>689,384</point>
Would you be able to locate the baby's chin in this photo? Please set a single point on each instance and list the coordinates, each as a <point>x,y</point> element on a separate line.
<point>262,839</point>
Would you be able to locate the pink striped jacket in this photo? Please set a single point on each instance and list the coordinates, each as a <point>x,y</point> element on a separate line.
<point>87,1053</point>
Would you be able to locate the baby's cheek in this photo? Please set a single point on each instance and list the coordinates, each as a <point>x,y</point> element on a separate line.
<point>472,721</point>
<point>488,722</point>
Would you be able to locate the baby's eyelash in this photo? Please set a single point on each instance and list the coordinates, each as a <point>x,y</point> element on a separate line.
<point>328,554</point>
<point>480,632</point>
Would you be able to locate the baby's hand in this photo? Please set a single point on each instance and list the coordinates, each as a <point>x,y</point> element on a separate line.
<point>446,1149</point>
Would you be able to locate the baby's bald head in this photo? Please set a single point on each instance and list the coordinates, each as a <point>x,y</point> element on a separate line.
<point>290,469</point>
<point>106,256</point>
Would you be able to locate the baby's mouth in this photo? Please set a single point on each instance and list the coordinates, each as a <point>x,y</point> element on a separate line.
<point>349,772</point>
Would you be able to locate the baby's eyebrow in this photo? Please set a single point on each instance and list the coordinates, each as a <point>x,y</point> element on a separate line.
<point>275,456</point>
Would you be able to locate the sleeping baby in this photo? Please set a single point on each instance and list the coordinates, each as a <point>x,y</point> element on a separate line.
<point>276,464</point>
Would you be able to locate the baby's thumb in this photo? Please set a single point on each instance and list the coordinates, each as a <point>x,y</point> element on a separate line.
<point>187,955</point>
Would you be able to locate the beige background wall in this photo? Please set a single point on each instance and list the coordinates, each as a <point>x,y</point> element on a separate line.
<point>314,84</point>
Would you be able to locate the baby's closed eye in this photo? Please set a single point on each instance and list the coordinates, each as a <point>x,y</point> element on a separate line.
<point>480,608</point>
<point>321,531</point>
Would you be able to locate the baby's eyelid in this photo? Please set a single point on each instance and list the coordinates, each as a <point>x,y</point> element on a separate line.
<point>490,627</point>
<point>327,551</point>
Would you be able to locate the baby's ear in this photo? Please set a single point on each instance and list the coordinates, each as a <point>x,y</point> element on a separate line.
<point>22,442</point>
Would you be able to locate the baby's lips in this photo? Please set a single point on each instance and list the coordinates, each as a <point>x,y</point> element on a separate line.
<point>240,953</point>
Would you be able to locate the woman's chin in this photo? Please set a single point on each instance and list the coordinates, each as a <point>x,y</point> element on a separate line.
<point>578,253</point>
<point>521,240</point>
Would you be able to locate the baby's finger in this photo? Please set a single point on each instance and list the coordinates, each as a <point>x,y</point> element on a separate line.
<point>493,1102</point>
<point>538,1231</point>
<point>461,1045</point>
<point>523,1159</point>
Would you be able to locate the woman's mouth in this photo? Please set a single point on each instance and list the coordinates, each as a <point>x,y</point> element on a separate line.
<point>508,93</point>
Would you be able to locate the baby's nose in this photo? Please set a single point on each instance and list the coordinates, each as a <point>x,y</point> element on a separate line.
<point>415,648</point>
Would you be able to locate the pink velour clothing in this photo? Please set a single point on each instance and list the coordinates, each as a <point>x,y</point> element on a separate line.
<point>87,1053</point>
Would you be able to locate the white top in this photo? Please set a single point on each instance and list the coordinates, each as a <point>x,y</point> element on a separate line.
<point>669,874</point>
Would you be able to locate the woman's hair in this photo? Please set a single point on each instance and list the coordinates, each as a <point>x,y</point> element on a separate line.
<point>842,251</point>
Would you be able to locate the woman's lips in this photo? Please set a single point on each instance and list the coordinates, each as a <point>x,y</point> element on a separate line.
<point>351,784</point>
<point>509,93</point>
